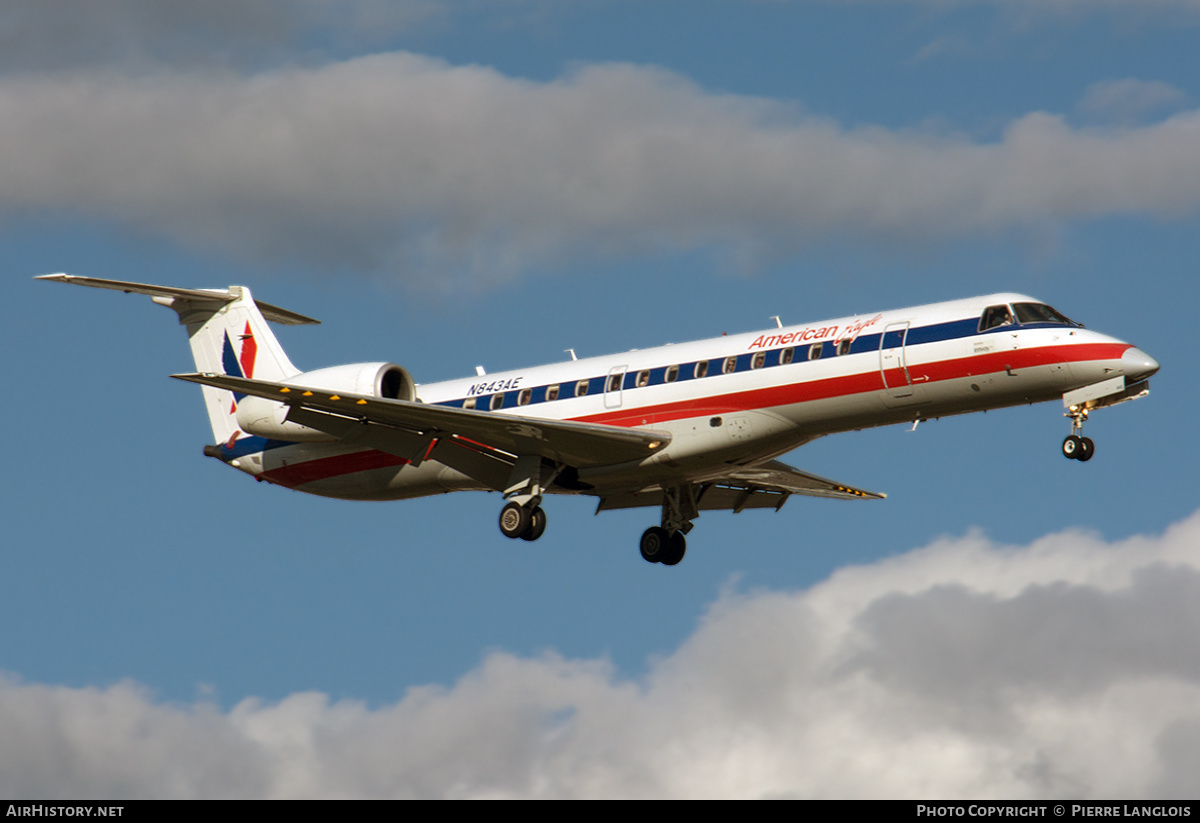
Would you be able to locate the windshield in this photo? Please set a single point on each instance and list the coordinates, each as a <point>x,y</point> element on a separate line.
<point>1040,313</point>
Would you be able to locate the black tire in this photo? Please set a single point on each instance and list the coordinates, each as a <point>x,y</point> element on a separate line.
<point>1072,447</point>
<point>537,525</point>
<point>1086,449</point>
<point>514,521</point>
<point>655,544</point>
<point>676,549</point>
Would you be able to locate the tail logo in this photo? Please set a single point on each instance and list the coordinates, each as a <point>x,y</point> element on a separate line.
<point>239,365</point>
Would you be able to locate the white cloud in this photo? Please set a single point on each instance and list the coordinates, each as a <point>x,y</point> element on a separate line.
<point>1069,667</point>
<point>1129,100</point>
<point>398,162</point>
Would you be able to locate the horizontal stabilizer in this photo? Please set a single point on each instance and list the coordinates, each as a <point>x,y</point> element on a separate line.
<point>269,312</point>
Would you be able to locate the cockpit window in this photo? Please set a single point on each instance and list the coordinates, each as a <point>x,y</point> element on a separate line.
<point>994,317</point>
<point>1040,313</point>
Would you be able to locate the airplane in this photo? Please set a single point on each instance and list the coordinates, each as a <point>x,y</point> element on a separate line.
<point>682,427</point>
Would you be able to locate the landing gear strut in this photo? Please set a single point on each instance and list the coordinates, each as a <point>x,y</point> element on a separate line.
<point>522,516</point>
<point>1076,446</point>
<point>666,544</point>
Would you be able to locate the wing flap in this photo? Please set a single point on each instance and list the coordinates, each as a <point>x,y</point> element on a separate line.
<point>776,476</point>
<point>766,486</point>
<point>576,444</point>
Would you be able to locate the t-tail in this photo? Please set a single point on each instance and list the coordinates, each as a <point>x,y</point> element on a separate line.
<point>228,332</point>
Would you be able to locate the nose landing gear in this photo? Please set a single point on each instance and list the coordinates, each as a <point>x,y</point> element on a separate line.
<point>1076,446</point>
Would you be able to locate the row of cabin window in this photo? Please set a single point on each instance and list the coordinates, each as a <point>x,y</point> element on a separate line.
<point>642,378</point>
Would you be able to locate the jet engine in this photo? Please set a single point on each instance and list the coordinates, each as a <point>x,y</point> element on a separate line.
<point>267,418</point>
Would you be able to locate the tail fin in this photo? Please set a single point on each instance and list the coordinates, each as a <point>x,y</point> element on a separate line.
<point>228,332</point>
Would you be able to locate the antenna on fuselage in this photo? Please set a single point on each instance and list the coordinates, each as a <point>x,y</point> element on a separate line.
<point>778,322</point>
<point>572,353</point>
<point>479,371</point>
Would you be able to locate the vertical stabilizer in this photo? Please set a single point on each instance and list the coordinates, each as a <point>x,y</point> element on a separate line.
<point>233,339</point>
<point>228,333</point>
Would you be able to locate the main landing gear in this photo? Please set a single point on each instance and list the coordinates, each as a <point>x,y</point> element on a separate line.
<point>1076,446</point>
<point>525,522</point>
<point>522,516</point>
<point>661,546</point>
<point>666,544</point>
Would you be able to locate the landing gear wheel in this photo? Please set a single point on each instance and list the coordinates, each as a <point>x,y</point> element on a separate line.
<point>675,549</point>
<point>655,544</point>
<point>1073,447</point>
<point>537,525</point>
<point>515,520</point>
<point>1086,449</point>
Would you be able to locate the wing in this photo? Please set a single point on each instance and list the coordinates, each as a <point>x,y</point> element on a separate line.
<point>410,425</point>
<point>767,485</point>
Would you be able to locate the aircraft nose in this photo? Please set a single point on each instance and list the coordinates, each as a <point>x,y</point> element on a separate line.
<point>1137,364</point>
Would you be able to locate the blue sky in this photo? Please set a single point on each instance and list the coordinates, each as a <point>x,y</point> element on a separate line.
<point>492,182</point>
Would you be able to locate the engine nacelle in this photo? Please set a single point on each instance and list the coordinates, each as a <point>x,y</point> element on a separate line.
<point>266,418</point>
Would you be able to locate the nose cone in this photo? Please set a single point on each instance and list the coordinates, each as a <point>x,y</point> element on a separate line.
<point>1137,364</point>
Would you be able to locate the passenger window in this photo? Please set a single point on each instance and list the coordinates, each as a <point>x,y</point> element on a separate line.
<point>757,361</point>
<point>469,403</point>
<point>614,382</point>
<point>786,356</point>
<point>729,366</point>
<point>497,401</point>
<point>552,392</point>
<point>643,379</point>
<point>672,374</point>
<point>701,368</point>
<point>524,397</point>
<point>581,388</point>
<point>843,347</point>
<point>814,351</point>
<point>994,317</point>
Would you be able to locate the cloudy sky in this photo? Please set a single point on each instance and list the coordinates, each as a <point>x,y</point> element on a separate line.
<point>492,182</point>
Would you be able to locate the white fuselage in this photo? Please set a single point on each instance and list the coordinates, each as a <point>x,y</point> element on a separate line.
<point>740,399</point>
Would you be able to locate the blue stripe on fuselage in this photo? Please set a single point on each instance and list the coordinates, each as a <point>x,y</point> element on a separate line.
<point>917,335</point>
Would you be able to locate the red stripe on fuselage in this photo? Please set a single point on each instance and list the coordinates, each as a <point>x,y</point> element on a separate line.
<point>859,383</point>
<point>325,467</point>
<point>869,381</point>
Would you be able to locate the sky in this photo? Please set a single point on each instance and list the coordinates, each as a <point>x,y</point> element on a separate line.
<point>492,182</point>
